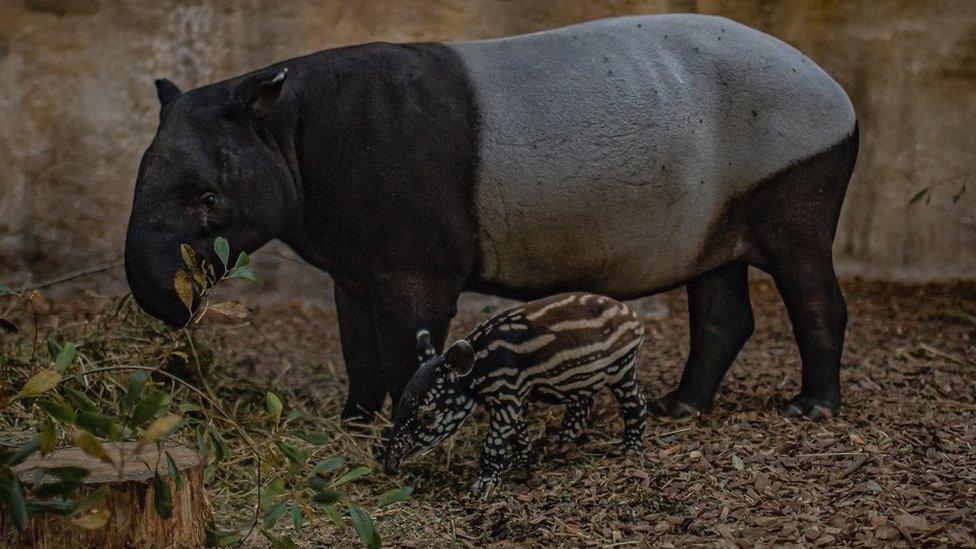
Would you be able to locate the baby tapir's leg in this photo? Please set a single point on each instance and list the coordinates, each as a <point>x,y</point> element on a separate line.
<point>574,421</point>
<point>503,435</point>
<point>633,407</point>
<point>521,443</point>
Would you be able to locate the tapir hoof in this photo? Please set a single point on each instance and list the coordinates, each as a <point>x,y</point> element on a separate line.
<point>672,406</point>
<point>812,408</point>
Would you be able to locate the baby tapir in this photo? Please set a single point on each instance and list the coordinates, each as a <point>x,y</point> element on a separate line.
<point>559,350</point>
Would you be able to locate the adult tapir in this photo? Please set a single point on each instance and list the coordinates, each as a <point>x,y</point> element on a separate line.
<point>622,156</point>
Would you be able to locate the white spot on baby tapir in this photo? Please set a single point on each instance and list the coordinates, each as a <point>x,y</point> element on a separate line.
<point>570,187</point>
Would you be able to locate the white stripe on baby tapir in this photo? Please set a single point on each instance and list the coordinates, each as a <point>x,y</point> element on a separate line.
<point>586,322</point>
<point>558,358</point>
<point>524,347</point>
<point>554,305</point>
<point>612,146</point>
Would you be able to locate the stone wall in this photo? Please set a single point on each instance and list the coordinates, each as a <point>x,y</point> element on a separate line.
<point>77,106</point>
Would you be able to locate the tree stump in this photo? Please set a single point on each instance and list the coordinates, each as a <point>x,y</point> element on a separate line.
<point>132,518</point>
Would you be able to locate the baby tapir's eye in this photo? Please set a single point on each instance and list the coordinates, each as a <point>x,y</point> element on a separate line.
<point>426,413</point>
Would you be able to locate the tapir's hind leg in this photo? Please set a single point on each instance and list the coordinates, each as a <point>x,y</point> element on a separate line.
<point>720,318</point>
<point>793,227</point>
<point>819,316</point>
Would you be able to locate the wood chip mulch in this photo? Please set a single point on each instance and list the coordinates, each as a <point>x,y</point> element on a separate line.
<point>897,467</point>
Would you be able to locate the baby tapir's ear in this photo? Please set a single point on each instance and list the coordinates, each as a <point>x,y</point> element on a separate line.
<point>425,349</point>
<point>460,358</point>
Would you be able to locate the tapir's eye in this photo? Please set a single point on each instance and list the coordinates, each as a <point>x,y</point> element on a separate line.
<point>209,200</point>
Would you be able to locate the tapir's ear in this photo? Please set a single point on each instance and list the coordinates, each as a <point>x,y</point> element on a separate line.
<point>166,91</point>
<point>460,358</point>
<point>425,349</point>
<point>256,94</point>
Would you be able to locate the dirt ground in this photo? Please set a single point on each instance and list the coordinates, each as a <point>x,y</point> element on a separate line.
<point>898,466</point>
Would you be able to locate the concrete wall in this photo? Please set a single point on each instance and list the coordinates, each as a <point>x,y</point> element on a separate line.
<point>77,105</point>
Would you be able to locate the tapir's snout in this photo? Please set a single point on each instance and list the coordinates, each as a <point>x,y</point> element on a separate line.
<point>150,272</point>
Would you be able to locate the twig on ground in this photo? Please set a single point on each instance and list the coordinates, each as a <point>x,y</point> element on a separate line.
<point>71,276</point>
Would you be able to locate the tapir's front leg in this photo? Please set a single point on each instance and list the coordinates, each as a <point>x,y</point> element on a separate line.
<point>378,328</point>
<point>367,387</point>
<point>396,319</point>
<point>501,444</point>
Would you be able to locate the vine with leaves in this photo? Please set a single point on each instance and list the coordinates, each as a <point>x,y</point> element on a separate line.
<point>65,400</point>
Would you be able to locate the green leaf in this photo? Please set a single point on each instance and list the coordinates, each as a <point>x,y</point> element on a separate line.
<point>187,407</point>
<point>330,464</point>
<point>162,497</point>
<point>150,405</point>
<point>65,357</point>
<point>12,496</point>
<point>48,438</point>
<point>283,542</point>
<point>274,407</point>
<point>242,260</point>
<point>290,452</point>
<point>738,463</point>
<point>273,514</point>
<point>53,349</point>
<point>137,382</point>
<point>217,444</point>
<point>174,471</point>
<point>311,438</point>
<point>161,428</point>
<point>358,472</point>
<point>919,195</point>
<point>92,520</point>
<point>183,284</point>
<point>222,247</point>
<point>99,424</point>
<point>80,400</point>
<point>365,527</point>
<point>395,495</point>
<point>274,488</point>
<point>69,478</point>
<point>327,496</point>
<point>58,505</point>
<point>68,473</point>
<point>90,445</point>
<point>292,416</point>
<point>23,452</point>
<point>40,382</point>
<point>246,273</point>
<point>222,538</point>
<point>297,518</point>
<point>57,411</point>
<point>334,514</point>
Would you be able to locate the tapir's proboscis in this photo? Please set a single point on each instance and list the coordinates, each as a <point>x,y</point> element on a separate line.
<point>623,157</point>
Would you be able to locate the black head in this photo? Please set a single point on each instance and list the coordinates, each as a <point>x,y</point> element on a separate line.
<point>218,166</point>
<point>432,407</point>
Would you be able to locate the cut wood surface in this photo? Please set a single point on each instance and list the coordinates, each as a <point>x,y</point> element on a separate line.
<point>132,520</point>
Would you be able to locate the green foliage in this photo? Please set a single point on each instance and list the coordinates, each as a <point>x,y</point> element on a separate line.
<point>79,392</point>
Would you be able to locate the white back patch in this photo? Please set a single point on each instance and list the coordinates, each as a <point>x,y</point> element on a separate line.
<point>609,148</point>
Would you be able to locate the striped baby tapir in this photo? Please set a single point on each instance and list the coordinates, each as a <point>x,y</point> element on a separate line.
<point>560,350</point>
